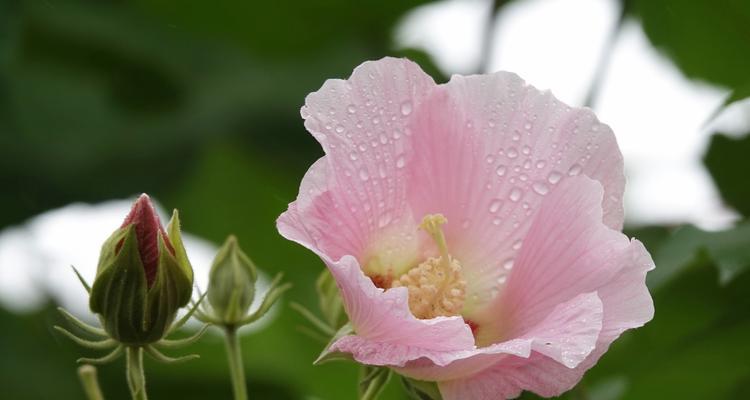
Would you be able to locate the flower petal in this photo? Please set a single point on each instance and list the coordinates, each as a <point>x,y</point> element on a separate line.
<point>567,335</point>
<point>488,148</point>
<point>569,251</point>
<point>387,332</point>
<point>362,124</point>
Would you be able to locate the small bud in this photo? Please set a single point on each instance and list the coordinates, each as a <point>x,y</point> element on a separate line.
<point>231,286</point>
<point>143,277</point>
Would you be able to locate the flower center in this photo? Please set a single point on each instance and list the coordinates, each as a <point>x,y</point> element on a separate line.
<point>435,286</point>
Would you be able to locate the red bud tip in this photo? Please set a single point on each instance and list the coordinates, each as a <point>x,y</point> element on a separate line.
<point>147,228</point>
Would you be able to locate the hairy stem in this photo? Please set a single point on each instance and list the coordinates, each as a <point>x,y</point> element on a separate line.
<point>136,377</point>
<point>87,375</point>
<point>234,356</point>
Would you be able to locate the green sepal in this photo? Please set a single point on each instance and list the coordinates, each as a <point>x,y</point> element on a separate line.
<point>170,291</point>
<point>329,300</point>
<point>421,390</point>
<point>175,237</point>
<point>231,286</point>
<point>119,291</point>
<point>372,381</point>
<point>130,311</point>
<point>327,356</point>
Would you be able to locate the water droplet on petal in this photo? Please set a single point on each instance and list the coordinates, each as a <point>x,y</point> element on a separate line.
<point>540,164</point>
<point>500,171</point>
<point>400,161</point>
<point>574,170</point>
<point>517,244</point>
<point>353,156</point>
<point>512,152</point>
<point>515,194</point>
<point>351,109</point>
<point>554,177</point>
<point>508,264</point>
<point>406,108</point>
<point>495,205</point>
<point>540,187</point>
<point>363,175</point>
<point>384,219</point>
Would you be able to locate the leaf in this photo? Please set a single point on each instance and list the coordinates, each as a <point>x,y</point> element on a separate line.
<point>708,40</point>
<point>727,161</point>
<point>728,250</point>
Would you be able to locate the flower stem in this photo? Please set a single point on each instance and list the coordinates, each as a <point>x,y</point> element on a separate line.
<point>136,377</point>
<point>87,375</point>
<point>234,355</point>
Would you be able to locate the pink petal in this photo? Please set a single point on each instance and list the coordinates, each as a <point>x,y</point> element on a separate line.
<point>487,150</point>
<point>569,251</point>
<point>387,332</point>
<point>567,335</point>
<point>362,124</point>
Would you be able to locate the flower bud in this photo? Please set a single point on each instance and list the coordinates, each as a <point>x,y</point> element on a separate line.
<point>231,286</point>
<point>143,277</point>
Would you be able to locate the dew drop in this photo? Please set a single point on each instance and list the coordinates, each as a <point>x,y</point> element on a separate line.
<point>363,175</point>
<point>400,162</point>
<point>508,264</point>
<point>517,244</point>
<point>406,108</point>
<point>540,164</point>
<point>353,156</point>
<point>384,220</point>
<point>497,221</point>
<point>554,177</point>
<point>339,129</point>
<point>490,159</point>
<point>574,170</point>
<point>512,152</point>
<point>381,170</point>
<point>501,280</point>
<point>495,205</point>
<point>515,194</point>
<point>500,171</point>
<point>351,109</point>
<point>383,139</point>
<point>540,188</point>
<point>526,150</point>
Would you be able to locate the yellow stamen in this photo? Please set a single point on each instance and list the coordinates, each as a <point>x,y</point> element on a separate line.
<point>435,286</point>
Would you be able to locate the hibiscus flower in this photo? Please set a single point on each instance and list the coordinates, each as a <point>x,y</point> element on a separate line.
<point>473,229</point>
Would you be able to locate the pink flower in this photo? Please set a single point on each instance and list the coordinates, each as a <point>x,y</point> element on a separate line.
<point>472,227</point>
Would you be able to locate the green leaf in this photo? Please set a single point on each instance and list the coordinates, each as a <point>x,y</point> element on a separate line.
<point>727,161</point>
<point>708,40</point>
<point>728,250</point>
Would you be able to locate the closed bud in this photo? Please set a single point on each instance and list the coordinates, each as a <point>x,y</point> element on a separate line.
<point>143,277</point>
<point>231,286</point>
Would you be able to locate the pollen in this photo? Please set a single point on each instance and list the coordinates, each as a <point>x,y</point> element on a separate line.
<point>435,285</point>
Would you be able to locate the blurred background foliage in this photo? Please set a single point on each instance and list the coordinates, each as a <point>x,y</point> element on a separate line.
<point>197,103</point>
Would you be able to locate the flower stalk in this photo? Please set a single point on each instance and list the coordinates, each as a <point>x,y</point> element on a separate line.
<point>231,291</point>
<point>90,383</point>
<point>236,369</point>
<point>135,374</point>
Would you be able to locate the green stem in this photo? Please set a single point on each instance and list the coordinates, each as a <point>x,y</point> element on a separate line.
<point>134,371</point>
<point>87,375</point>
<point>236,371</point>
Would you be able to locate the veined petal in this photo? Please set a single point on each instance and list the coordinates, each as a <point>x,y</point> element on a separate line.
<point>570,251</point>
<point>488,148</point>
<point>386,331</point>
<point>362,124</point>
